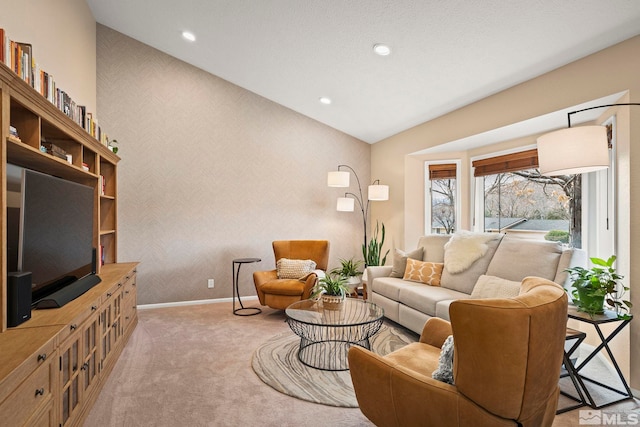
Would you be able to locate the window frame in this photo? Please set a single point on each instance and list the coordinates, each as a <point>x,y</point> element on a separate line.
<point>427,223</point>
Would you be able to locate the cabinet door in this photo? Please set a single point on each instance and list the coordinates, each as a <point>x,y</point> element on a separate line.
<point>111,327</point>
<point>129,303</point>
<point>78,368</point>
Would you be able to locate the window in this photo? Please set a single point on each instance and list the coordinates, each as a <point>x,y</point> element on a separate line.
<point>514,198</point>
<point>441,205</point>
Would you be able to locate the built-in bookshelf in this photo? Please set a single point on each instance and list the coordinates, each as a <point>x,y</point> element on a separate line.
<point>53,366</point>
<point>29,122</point>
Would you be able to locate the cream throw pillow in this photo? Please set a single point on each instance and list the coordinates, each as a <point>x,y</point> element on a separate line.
<point>428,273</point>
<point>495,287</point>
<point>294,268</point>
<point>400,261</point>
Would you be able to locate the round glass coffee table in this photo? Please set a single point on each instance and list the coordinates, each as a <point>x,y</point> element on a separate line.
<point>326,335</point>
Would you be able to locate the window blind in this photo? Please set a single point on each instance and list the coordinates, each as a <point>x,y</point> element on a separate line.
<point>507,163</point>
<point>444,171</point>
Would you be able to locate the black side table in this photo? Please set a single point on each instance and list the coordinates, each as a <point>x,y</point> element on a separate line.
<point>569,370</point>
<point>597,320</point>
<point>235,268</point>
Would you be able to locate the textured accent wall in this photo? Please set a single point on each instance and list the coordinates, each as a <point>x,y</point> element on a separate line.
<point>211,172</point>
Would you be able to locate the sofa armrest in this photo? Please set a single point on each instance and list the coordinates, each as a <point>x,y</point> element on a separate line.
<point>435,332</point>
<point>378,271</point>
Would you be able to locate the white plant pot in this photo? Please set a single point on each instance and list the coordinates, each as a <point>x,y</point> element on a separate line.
<point>353,282</point>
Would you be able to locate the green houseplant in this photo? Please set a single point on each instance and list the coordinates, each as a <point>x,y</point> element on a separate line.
<point>350,270</point>
<point>373,250</point>
<point>332,289</point>
<point>592,287</point>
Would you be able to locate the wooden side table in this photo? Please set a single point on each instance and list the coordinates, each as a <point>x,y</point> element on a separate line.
<point>235,267</point>
<point>596,321</point>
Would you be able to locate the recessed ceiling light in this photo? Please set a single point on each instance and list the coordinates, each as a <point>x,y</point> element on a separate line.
<point>189,36</point>
<point>381,49</point>
<point>325,100</point>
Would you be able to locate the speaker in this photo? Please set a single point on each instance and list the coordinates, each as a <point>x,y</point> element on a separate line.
<point>18,298</point>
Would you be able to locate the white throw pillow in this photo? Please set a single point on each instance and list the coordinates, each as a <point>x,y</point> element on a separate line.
<point>294,268</point>
<point>495,287</point>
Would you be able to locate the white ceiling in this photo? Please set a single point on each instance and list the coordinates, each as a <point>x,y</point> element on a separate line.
<point>445,53</point>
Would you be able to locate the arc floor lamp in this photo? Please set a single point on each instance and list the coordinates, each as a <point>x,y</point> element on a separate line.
<point>575,150</point>
<point>375,192</point>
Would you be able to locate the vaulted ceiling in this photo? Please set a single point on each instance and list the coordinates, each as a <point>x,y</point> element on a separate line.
<point>444,54</point>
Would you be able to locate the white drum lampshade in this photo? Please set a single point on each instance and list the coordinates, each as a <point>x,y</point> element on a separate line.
<point>575,150</point>
<point>345,204</point>
<point>338,179</point>
<point>378,192</point>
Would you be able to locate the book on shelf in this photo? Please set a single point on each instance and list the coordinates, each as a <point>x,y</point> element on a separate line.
<point>18,56</point>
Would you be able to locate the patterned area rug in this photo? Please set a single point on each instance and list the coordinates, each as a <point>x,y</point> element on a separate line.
<point>276,363</point>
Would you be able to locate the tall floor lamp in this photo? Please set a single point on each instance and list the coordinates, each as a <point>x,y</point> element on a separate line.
<point>376,192</point>
<point>575,150</point>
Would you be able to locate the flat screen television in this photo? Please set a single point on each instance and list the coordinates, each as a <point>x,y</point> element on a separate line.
<point>54,228</point>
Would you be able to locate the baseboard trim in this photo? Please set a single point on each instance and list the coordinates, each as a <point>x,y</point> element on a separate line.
<point>194,302</point>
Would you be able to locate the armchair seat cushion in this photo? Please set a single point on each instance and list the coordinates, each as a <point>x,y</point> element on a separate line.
<point>284,287</point>
<point>417,357</point>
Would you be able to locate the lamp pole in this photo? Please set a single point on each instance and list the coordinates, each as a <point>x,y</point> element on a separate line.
<point>358,197</point>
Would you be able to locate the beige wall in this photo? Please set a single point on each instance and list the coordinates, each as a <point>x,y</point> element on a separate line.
<point>63,35</point>
<point>211,172</point>
<point>607,72</point>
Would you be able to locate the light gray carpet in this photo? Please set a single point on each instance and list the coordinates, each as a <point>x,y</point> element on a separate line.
<point>276,363</point>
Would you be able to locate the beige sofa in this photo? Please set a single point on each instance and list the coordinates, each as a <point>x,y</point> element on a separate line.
<point>505,262</point>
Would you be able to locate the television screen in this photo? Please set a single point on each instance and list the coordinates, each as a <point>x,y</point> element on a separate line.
<point>55,233</point>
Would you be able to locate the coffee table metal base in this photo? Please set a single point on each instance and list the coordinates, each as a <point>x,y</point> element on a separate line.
<point>327,347</point>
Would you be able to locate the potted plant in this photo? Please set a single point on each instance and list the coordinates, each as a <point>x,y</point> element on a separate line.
<point>374,249</point>
<point>592,287</point>
<point>350,270</point>
<point>332,289</point>
<point>111,144</point>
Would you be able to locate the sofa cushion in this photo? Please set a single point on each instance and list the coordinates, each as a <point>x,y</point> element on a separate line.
<point>428,273</point>
<point>442,308</point>
<point>425,298</point>
<point>390,286</point>
<point>516,259</point>
<point>495,287</point>
<point>400,261</point>
<point>433,246</point>
<point>466,280</point>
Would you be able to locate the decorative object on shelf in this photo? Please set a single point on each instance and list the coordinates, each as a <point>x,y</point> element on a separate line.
<point>332,289</point>
<point>592,287</point>
<point>112,145</point>
<point>376,192</point>
<point>575,150</point>
<point>350,270</point>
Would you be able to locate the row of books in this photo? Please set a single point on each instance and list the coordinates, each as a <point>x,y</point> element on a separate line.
<point>19,58</point>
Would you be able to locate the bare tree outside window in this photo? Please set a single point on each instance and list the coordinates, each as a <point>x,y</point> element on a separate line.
<point>443,208</point>
<point>527,201</point>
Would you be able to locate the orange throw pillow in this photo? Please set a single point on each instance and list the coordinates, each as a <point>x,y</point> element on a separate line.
<point>428,273</point>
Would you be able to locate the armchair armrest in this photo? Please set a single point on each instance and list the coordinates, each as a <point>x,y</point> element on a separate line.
<point>435,332</point>
<point>260,277</point>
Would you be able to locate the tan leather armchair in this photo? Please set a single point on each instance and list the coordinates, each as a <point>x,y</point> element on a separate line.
<point>280,293</point>
<point>506,365</point>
